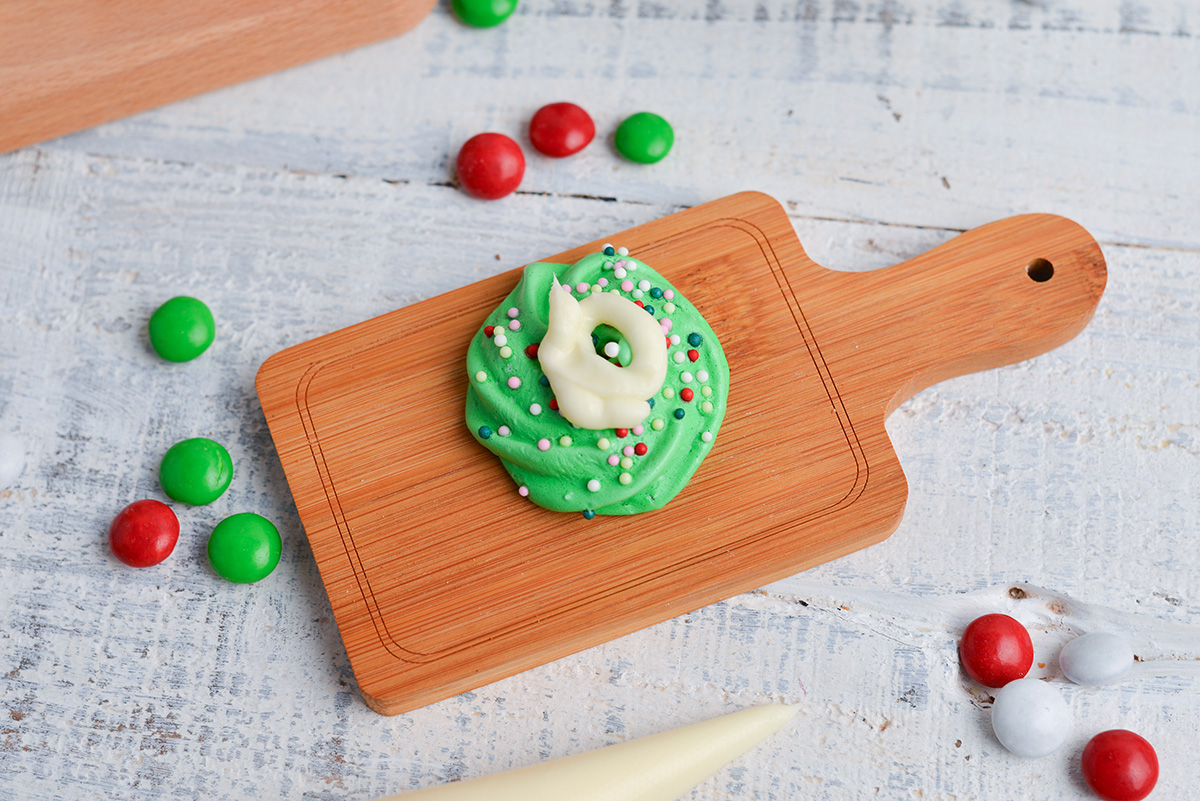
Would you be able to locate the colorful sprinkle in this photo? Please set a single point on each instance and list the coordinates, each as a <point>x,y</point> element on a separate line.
<point>695,339</point>
<point>685,378</point>
<point>545,382</point>
<point>485,432</point>
<point>481,376</point>
<point>593,486</point>
<point>706,407</point>
<point>678,357</point>
<point>614,460</point>
<point>706,436</point>
<point>514,383</point>
<point>627,450</point>
<point>658,424</point>
<point>627,463</point>
<point>504,431</point>
<point>500,340</point>
<point>603,443</point>
<point>625,478</point>
<point>609,250</point>
<point>515,325</point>
<point>514,312</point>
<point>535,409</point>
<point>686,394</point>
<point>674,339</point>
<point>649,309</point>
<point>532,350</point>
<point>668,393</point>
<point>679,413</point>
<point>588,514</point>
<point>565,441</point>
<point>554,404</point>
<point>640,449</point>
<point>611,349</point>
<point>693,354</point>
<point>582,287</point>
<point>505,352</point>
<point>523,491</point>
<point>706,392</point>
<point>488,329</point>
<point>623,251</point>
<point>644,285</point>
<point>650,402</point>
<point>619,273</point>
<point>637,293</point>
<point>702,376</point>
<point>668,294</point>
<point>543,444</point>
<point>626,285</point>
<point>638,430</point>
<point>669,308</point>
<point>622,432</point>
<point>656,293</point>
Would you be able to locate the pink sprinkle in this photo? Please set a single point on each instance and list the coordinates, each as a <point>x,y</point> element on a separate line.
<point>668,293</point>
<point>603,282</point>
<point>523,491</point>
<point>667,325</point>
<point>614,460</point>
<point>543,444</point>
<point>637,430</point>
<point>566,288</point>
<point>515,325</point>
<point>626,286</point>
<point>514,312</point>
<point>620,263</point>
<point>581,287</point>
<point>627,450</point>
<point>514,382</point>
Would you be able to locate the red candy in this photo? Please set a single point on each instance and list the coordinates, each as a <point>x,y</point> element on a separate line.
<point>693,355</point>
<point>996,649</point>
<point>686,394</point>
<point>144,533</point>
<point>622,432</point>
<point>532,350</point>
<point>488,330</point>
<point>490,166</point>
<point>561,129</point>
<point>554,404</point>
<point>1120,766</point>
<point>640,449</point>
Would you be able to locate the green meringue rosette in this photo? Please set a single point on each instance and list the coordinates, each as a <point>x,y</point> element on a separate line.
<point>511,408</point>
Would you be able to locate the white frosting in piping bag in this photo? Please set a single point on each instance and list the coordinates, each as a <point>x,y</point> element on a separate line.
<point>592,392</point>
<point>661,767</point>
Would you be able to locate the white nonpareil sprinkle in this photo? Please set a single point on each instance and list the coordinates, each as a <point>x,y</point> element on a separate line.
<point>593,485</point>
<point>611,349</point>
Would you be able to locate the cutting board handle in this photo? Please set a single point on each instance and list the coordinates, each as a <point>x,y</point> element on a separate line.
<point>995,295</point>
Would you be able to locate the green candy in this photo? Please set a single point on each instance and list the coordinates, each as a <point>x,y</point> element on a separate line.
<point>196,471</point>
<point>645,138</point>
<point>484,13</point>
<point>244,548</point>
<point>181,329</point>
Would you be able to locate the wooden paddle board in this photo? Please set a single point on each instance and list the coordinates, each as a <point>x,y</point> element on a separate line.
<point>443,579</point>
<point>66,65</point>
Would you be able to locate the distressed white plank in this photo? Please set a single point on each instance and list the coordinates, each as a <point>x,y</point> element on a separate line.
<point>934,113</point>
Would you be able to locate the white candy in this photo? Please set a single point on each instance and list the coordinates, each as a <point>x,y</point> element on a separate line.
<point>12,459</point>
<point>1030,718</point>
<point>1096,658</point>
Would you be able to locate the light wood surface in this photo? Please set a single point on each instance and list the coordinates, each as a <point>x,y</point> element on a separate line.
<point>66,65</point>
<point>442,579</point>
<point>317,198</point>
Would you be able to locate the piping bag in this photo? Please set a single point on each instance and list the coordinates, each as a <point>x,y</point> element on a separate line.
<point>661,767</point>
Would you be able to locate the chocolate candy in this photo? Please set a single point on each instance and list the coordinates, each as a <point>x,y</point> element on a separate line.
<point>181,329</point>
<point>196,471</point>
<point>645,138</point>
<point>244,548</point>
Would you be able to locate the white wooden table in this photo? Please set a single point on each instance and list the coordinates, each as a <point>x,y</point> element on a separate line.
<point>307,201</point>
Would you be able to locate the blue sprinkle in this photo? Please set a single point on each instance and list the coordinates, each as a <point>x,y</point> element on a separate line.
<point>656,293</point>
<point>588,514</point>
<point>650,309</point>
<point>484,432</point>
<point>695,340</point>
<point>545,382</point>
<point>651,402</point>
<point>679,414</point>
<point>609,251</point>
<point>595,340</point>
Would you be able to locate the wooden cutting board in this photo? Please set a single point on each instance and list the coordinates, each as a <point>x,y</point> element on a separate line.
<point>66,65</point>
<point>443,579</point>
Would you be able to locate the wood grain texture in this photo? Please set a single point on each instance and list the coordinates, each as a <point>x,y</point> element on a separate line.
<point>442,580</point>
<point>66,65</point>
<point>317,198</point>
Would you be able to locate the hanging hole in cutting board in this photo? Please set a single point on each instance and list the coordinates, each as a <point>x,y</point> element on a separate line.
<point>1040,270</point>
